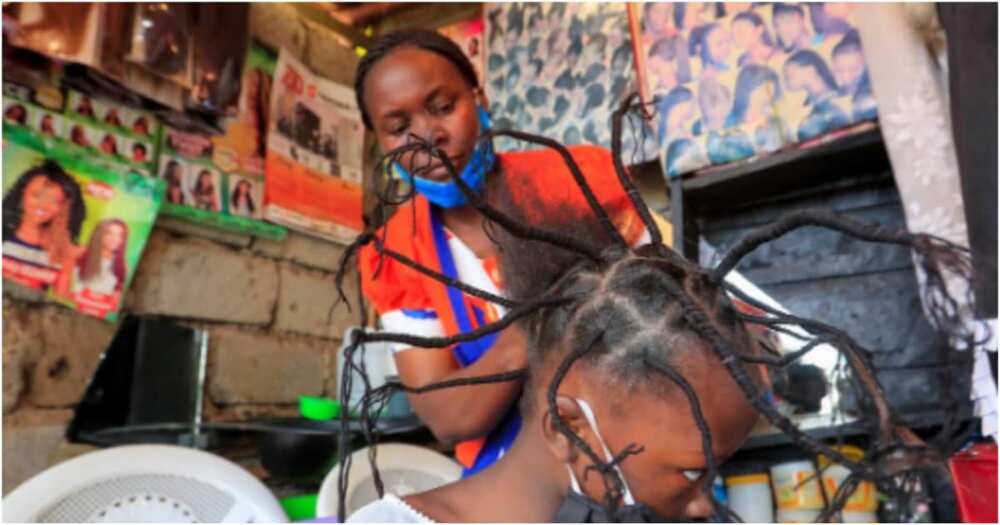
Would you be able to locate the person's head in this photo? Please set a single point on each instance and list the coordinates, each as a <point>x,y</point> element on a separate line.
<point>625,318</point>
<point>44,197</point>
<point>687,15</point>
<point>16,113</point>
<point>241,193</point>
<point>109,145</point>
<point>419,83</point>
<point>664,58</point>
<point>79,136</point>
<point>46,124</point>
<point>715,101</point>
<point>789,25</point>
<point>848,62</point>
<point>108,241</point>
<point>111,117</point>
<point>830,18</point>
<point>805,69</point>
<point>716,44</point>
<point>675,109</point>
<point>85,107</point>
<point>658,18</point>
<point>204,182</point>
<point>684,155</point>
<point>749,30</point>
<point>172,173</point>
<point>141,126</point>
<point>757,87</point>
<point>139,152</point>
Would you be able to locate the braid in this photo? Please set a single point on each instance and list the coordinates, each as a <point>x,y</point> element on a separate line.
<point>584,298</point>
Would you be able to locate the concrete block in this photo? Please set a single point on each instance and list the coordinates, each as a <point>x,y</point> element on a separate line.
<point>256,367</point>
<point>22,346</point>
<point>197,279</point>
<point>73,345</point>
<point>308,303</point>
<point>308,251</point>
<point>28,448</point>
<point>236,240</point>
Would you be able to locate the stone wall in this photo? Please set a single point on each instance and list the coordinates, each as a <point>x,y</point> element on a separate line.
<point>268,306</point>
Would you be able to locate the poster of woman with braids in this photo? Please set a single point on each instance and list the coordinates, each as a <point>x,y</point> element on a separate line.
<point>765,77</point>
<point>70,229</point>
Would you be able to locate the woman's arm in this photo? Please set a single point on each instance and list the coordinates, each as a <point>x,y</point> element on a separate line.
<point>459,413</point>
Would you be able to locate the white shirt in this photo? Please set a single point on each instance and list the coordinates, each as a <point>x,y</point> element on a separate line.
<point>389,509</point>
<point>104,282</point>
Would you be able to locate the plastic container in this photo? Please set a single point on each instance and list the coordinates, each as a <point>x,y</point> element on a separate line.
<point>300,508</point>
<point>318,408</point>
<point>750,497</point>
<point>864,499</point>
<point>797,516</point>
<point>796,486</point>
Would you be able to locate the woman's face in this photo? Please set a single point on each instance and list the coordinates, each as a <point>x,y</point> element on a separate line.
<point>848,68</point>
<point>759,103</point>
<point>204,180</point>
<point>114,237</point>
<point>790,27</point>
<point>43,200</point>
<point>745,34</point>
<point>660,16</point>
<point>719,44</point>
<point>108,144</point>
<point>417,92</point>
<point>798,77</point>
<point>665,71</point>
<point>662,423</point>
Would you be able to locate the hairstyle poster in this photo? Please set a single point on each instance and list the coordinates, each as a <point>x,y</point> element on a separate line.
<point>560,70</point>
<point>192,178</point>
<point>468,34</point>
<point>314,154</point>
<point>71,228</point>
<point>730,80</point>
<point>119,133</point>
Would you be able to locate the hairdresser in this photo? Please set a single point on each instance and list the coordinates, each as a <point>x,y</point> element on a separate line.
<point>418,85</point>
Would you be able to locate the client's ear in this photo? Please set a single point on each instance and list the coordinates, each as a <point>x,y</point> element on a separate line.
<point>572,416</point>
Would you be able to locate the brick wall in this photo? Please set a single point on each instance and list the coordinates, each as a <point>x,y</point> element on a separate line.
<point>268,306</point>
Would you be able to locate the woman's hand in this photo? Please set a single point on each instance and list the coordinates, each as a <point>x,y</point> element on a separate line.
<point>465,412</point>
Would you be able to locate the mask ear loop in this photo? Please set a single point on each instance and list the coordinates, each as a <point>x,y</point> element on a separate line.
<point>589,414</point>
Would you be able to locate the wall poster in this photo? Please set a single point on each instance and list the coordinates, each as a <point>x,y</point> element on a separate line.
<point>314,154</point>
<point>731,80</point>
<point>72,229</point>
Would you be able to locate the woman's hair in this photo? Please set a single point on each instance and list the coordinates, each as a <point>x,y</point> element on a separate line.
<point>620,307</point>
<point>90,262</point>
<point>12,202</point>
<point>245,192</point>
<point>809,58</point>
<point>751,77</point>
<point>202,176</point>
<point>665,105</point>
<point>757,21</point>
<point>703,51</point>
<point>16,112</point>
<point>587,296</point>
<point>170,173</point>
<point>781,9</point>
<point>419,38</point>
<point>673,49</point>
<point>824,23</point>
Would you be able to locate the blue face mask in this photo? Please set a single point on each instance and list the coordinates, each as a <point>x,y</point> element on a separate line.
<point>447,194</point>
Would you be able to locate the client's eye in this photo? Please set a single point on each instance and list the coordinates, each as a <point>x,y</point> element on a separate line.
<point>693,475</point>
